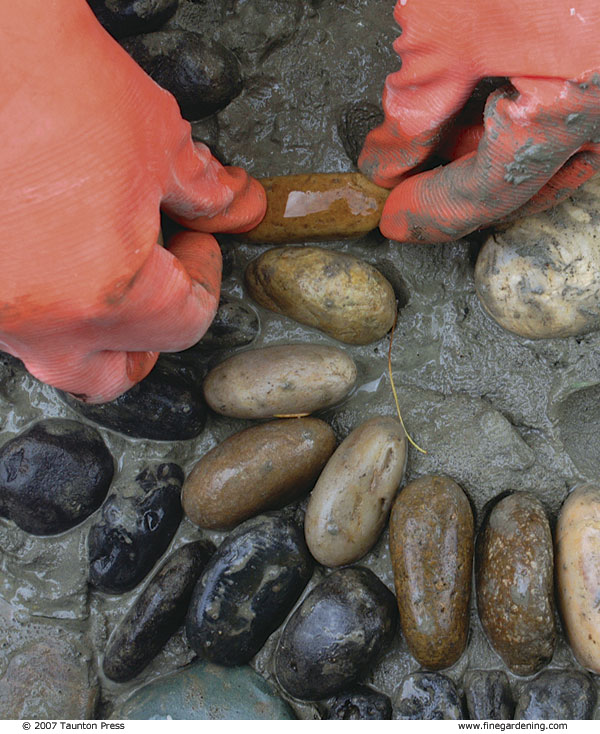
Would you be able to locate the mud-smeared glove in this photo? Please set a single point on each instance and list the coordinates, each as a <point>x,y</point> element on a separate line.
<point>540,135</point>
<point>91,150</point>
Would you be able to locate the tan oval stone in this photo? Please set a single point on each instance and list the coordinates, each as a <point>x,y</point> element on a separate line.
<point>514,583</point>
<point>261,468</point>
<point>337,293</point>
<point>284,380</point>
<point>431,544</point>
<point>578,573</point>
<point>350,503</point>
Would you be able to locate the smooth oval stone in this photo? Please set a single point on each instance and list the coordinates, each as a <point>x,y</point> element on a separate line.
<point>431,546</point>
<point>261,468</point>
<point>335,292</point>
<point>157,613</point>
<point>336,634</point>
<point>292,379</point>
<point>125,17</point>
<point>53,476</point>
<point>355,121</point>
<point>359,704</point>
<point>578,573</point>
<point>247,589</point>
<point>558,694</point>
<point>202,75</point>
<point>167,405</point>
<point>427,696</point>
<point>488,694</point>
<point>135,530</point>
<point>234,325</point>
<point>514,572</point>
<point>350,503</point>
<point>204,690</point>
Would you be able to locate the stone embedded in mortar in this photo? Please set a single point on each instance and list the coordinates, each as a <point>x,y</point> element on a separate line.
<point>361,703</point>
<point>125,17</point>
<point>488,694</point>
<point>514,580</point>
<point>235,325</point>
<point>202,75</point>
<point>336,634</point>
<point>135,529</point>
<point>204,690</point>
<point>167,405</point>
<point>431,547</point>
<point>354,122</point>
<point>53,476</point>
<point>427,696</point>
<point>156,614</point>
<point>558,694</point>
<point>247,589</point>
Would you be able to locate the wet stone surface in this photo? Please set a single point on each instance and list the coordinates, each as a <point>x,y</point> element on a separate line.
<point>126,17</point>
<point>235,325</point>
<point>53,476</point>
<point>428,696</point>
<point>354,122</point>
<point>558,694</point>
<point>135,529</point>
<point>361,703</point>
<point>247,589</point>
<point>488,694</point>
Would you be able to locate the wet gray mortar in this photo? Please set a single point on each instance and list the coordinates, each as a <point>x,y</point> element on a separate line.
<point>484,403</point>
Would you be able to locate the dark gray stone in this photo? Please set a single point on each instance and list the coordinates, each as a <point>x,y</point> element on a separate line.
<point>354,122</point>
<point>488,694</point>
<point>235,325</point>
<point>361,703</point>
<point>427,696</point>
<point>125,17</point>
<point>558,694</point>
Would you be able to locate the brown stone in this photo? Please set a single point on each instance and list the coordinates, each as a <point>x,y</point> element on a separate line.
<point>431,544</point>
<point>514,572</point>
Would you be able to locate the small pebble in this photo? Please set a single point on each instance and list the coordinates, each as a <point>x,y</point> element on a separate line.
<point>361,703</point>
<point>126,17</point>
<point>247,589</point>
<point>135,529</point>
<point>201,74</point>
<point>488,694</point>
<point>166,405</point>
<point>355,121</point>
<point>157,613</point>
<point>262,468</point>
<point>427,696</point>
<point>514,579</point>
<point>285,380</point>
<point>431,546</point>
<point>558,694</point>
<point>336,634</point>
<point>235,325</point>
<point>350,503</point>
<point>53,476</point>
<point>578,573</point>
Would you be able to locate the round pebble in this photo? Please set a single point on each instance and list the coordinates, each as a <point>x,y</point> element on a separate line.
<point>291,379</point>
<point>488,694</point>
<point>514,578</point>
<point>126,17</point>
<point>336,634</point>
<point>135,529</point>
<point>247,589</point>
<point>361,703</point>
<point>156,614</point>
<point>578,573</point>
<point>53,476</point>
<point>427,696</point>
<point>235,325</point>
<point>335,292</point>
<point>350,503</point>
<point>431,546</point>
<point>355,121</point>
<point>558,694</point>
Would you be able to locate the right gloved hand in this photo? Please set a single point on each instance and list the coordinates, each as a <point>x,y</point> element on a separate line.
<point>92,149</point>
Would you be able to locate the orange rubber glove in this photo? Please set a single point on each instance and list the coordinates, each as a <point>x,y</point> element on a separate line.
<point>92,149</point>
<point>540,134</point>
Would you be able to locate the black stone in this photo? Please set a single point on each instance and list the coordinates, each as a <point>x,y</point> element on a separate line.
<point>427,696</point>
<point>53,476</point>
<point>248,588</point>
<point>202,75</point>
<point>135,531</point>
<point>126,17</point>
<point>488,694</point>
<point>234,325</point>
<point>360,703</point>
<point>336,634</point>
<point>557,694</point>
<point>354,122</point>
<point>167,405</point>
<point>157,613</point>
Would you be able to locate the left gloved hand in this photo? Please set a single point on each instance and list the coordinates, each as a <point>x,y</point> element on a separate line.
<point>540,135</point>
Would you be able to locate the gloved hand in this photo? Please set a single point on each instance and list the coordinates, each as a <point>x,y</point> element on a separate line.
<point>540,134</point>
<point>91,150</point>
